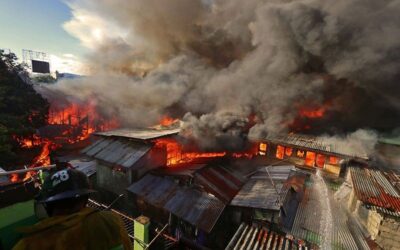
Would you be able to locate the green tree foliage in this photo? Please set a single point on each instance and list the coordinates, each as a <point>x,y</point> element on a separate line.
<point>44,79</point>
<point>22,109</point>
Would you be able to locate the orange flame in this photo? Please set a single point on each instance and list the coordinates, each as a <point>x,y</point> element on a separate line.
<point>83,120</point>
<point>44,157</point>
<point>14,178</point>
<point>167,121</point>
<point>176,156</point>
<point>312,113</point>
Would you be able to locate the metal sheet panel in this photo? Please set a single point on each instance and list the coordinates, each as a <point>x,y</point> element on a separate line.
<point>120,151</point>
<point>154,190</point>
<point>140,134</point>
<point>258,237</point>
<point>198,208</point>
<point>219,181</point>
<point>258,193</point>
<point>87,167</point>
<point>373,188</point>
<point>266,188</point>
<point>94,144</point>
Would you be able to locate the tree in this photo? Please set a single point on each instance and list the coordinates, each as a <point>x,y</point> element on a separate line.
<point>22,109</point>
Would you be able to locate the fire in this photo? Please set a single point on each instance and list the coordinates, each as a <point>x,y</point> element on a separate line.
<point>175,154</point>
<point>280,152</point>
<point>14,178</point>
<point>312,113</point>
<point>310,159</point>
<point>81,121</point>
<point>43,158</point>
<point>66,125</point>
<point>167,121</point>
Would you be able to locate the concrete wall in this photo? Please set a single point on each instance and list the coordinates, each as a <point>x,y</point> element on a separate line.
<point>385,230</point>
<point>389,234</point>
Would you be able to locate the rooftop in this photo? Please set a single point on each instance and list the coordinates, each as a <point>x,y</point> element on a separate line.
<point>377,188</point>
<point>118,151</point>
<point>220,181</point>
<point>192,205</point>
<point>258,237</point>
<point>266,188</point>
<point>141,134</point>
<point>320,144</point>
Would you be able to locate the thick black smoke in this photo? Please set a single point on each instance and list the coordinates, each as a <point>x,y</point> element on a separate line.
<point>217,63</point>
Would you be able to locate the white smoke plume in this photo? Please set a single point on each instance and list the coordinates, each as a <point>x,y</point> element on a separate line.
<point>217,63</point>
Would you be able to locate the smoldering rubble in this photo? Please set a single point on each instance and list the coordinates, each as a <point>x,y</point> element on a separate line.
<point>216,64</point>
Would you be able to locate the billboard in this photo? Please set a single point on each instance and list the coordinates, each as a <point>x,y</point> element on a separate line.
<point>40,66</point>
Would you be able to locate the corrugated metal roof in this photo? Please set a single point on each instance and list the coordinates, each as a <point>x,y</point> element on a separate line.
<point>265,189</point>
<point>372,187</point>
<point>119,151</point>
<point>258,237</point>
<point>154,189</point>
<point>307,224</point>
<point>140,134</point>
<point>383,210</point>
<point>4,178</point>
<point>219,181</point>
<point>87,167</point>
<point>312,142</point>
<point>194,206</point>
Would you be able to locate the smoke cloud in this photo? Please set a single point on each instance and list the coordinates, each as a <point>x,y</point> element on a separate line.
<point>220,64</point>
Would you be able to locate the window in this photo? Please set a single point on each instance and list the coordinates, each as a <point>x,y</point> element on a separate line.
<point>280,152</point>
<point>262,149</point>
<point>310,159</point>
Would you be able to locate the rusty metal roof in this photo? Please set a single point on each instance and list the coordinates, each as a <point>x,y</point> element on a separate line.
<point>154,189</point>
<point>375,187</point>
<point>140,134</point>
<point>319,144</point>
<point>87,167</point>
<point>192,205</point>
<point>118,151</point>
<point>220,181</point>
<point>258,237</point>
<point>196,207</point>
<point>266,188</point>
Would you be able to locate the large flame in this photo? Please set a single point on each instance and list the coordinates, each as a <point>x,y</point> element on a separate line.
<point>312,112</point>
<point>77,121</point>
<point>175,153</point>
<point>168,121</point>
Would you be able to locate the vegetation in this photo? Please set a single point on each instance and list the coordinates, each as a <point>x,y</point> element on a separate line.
<point>44,79</point>
<point>22,109</point>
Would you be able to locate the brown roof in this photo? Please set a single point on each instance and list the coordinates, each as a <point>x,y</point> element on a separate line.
<point>375,187</point>
<point>220,181</point>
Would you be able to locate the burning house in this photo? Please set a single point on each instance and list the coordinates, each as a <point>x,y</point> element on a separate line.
<point>124,156</point>
<point>308,152</point>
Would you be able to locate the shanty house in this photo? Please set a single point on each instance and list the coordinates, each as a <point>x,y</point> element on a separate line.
<point>308,152</point>
<point>125,155</point>
<point>271,196</point>
<point>191,198</point>
<point>375,200</point>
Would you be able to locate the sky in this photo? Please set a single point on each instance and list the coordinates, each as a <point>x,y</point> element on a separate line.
<point>38,25</point>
